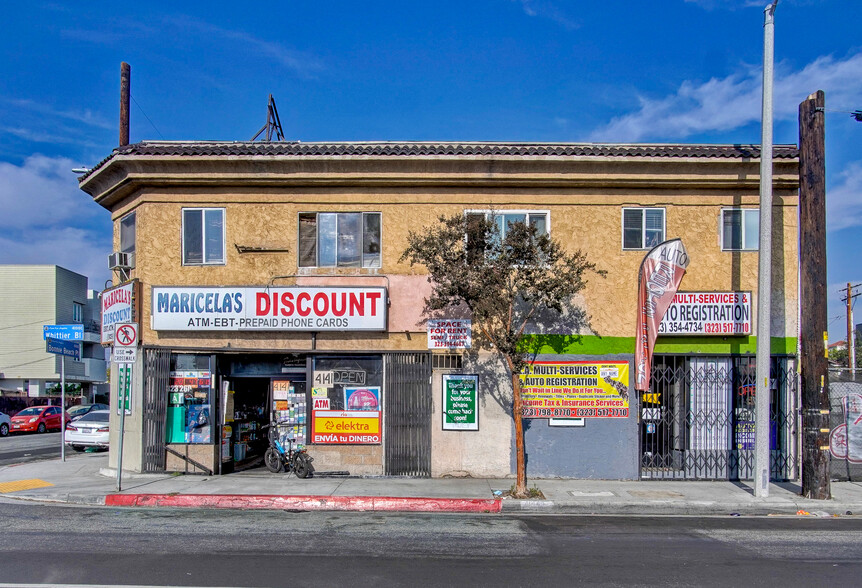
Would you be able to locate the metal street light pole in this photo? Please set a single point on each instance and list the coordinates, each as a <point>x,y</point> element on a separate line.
<point>764,285</point>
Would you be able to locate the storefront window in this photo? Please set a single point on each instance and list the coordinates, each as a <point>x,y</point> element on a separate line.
<point>190,399</point>
<point>347,400</point>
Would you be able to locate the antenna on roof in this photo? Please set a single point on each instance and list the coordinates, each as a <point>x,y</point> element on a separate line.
<point>273,124</point>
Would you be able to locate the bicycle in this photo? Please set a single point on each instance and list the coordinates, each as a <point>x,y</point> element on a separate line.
<point>277,459</point>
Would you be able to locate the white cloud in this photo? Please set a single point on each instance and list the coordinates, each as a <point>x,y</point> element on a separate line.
<point>734,101</point>
<point>42,191</point>
<point>46,218</point>
<point>299,61</point>
<point>844,200</point>
<point>78,249</point>
<point>86,116</point>
<point>545,9</point>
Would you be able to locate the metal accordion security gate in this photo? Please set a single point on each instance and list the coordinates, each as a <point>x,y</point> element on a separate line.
<point>157,367</point>
<point>408,409</point>
<point>697,421</point>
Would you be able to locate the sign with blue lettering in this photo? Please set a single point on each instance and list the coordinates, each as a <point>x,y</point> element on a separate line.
<point>63,332</point>
<point>62,347</point>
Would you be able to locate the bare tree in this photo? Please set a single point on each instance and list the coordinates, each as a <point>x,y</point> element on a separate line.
<point>506,282</point>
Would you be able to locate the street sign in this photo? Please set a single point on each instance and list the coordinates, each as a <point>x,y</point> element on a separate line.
<point>63,332</point>
<point>126,343</point>
<point>124,388</point>
<point>65,348</point>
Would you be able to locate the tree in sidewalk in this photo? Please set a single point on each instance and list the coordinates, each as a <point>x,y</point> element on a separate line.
<point>507,280</point>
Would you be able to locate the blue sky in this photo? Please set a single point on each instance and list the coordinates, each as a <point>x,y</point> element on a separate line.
<point>497,70</point>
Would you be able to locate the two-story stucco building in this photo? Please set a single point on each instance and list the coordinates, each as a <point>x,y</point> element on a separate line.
<point>272,288</point>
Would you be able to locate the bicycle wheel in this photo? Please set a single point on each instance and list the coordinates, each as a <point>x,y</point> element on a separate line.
<point>302,466</point>
<point>273,461</point>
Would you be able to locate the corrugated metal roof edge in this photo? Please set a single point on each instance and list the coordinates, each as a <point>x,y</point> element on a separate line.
<point>437,148</point>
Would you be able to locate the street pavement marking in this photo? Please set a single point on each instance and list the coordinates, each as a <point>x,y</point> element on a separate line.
<point>23,485</point>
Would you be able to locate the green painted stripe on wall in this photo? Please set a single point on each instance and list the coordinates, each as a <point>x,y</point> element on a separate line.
<point>596,345</point>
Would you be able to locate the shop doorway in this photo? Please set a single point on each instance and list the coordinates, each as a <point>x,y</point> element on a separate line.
<point>250,417</point>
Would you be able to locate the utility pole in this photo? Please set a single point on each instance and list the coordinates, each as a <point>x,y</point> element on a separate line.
<point>125,93</point>
<point>764,269</point>
<point>851,333</point>
<point>814,378</point>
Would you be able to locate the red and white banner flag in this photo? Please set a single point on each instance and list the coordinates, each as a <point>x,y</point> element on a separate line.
<point>660,274</point>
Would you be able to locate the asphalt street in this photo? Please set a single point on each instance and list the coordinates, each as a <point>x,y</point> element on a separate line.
<point>24,447</point>
<point>62,545</point>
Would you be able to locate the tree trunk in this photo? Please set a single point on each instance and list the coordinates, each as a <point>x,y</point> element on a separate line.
<point>517,410</point>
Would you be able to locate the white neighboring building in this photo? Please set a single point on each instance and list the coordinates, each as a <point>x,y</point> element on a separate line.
<point>35,295</point>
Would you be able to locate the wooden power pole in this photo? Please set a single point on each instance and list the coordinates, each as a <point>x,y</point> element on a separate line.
<point>125,93</point>
<point>812,299</point>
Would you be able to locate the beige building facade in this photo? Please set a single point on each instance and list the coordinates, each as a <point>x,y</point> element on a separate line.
<point>312,226</point>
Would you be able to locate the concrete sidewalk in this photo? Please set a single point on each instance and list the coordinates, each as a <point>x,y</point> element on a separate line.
<point>85,479</point>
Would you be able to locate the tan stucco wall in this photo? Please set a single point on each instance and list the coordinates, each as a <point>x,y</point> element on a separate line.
<point>582,220</point>
<point>485,453</point>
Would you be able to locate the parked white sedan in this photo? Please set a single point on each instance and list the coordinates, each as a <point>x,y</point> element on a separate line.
<point>91,430</point>
<point>5,424</point>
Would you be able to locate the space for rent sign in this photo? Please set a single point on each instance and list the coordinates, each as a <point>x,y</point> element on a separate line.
<point>268,309</point>
<point>708,313</point>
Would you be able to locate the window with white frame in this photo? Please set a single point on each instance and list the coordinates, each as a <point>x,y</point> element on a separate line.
<point>505,218</point>
<point>339,239</point>
<point>77,312</point>
<point>643,228</point>
<point>740,229</point>
<point>127,233</point>
<point>203,236</point>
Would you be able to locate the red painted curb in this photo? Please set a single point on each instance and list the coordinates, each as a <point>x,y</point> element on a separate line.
<point>276,502</point>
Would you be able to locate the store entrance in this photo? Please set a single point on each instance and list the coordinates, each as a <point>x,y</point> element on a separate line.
<point>251,415</point>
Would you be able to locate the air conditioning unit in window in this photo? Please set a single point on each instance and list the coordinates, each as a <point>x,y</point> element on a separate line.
<point>117,260</point>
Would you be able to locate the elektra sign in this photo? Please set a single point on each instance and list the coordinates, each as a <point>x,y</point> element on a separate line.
<point>294,308</point>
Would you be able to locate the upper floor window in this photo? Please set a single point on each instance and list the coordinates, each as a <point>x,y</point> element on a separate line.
<point>643,228</point>
<point>77,312</point>
<point>339,239</point>
<point>203,236</point>
<point>127,233</point>
<point>740,229</point>
<point>506,218</point>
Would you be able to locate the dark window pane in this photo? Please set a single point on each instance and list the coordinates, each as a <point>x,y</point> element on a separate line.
<point>475,236</point>
<point>371,240</point>
<point>193,236</point>
<point>349,239</point>
<point>632,229</point>
<point>732,229</point>
<point>540,221</point>
<point>214,227</point>
<point>127,233</point>
<point>327,223</point>
<point>307,239</point>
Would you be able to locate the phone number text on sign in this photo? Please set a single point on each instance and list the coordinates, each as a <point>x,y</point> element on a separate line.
<point>708,313</point>
<point>533,412</point>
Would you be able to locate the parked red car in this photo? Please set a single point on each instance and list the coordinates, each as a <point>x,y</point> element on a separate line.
<point>36,418</point>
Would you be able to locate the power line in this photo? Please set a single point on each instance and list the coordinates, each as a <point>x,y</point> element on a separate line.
<point>39,322</point>
<point>145,116</point>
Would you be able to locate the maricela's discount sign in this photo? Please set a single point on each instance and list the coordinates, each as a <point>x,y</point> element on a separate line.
<point>708,313</point>
<point>575,389</point>
<point>294,308</point>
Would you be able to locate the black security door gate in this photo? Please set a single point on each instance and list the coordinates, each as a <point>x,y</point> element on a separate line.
<point>157,368</point>
<point>697,420</point>
<point>407,414</point>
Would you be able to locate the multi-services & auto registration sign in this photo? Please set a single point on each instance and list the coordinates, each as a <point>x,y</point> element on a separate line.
<point>708,313</point>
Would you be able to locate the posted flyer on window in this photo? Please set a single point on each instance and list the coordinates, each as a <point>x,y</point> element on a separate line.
<point>575,389</point>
